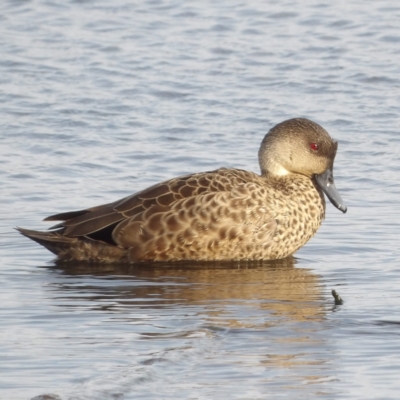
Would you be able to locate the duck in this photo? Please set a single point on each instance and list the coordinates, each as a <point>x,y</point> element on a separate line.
<point>226,214</point>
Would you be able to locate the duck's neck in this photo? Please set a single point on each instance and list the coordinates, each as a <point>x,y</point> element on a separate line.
<point>273,168</point>
<point>292,182</point>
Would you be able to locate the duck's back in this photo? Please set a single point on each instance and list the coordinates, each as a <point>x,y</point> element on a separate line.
<point>227,214</point>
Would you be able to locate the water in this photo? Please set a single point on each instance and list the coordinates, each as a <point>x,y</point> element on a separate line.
<point>99,100</point>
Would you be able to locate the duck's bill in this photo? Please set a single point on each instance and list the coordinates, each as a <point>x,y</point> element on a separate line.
<point>327,184</point>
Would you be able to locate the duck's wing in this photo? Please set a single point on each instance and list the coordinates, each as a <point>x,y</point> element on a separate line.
<point>100,222</point>
<point>211,223</point>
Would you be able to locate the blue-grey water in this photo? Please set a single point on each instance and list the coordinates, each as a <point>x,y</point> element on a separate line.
<point>99,99</point>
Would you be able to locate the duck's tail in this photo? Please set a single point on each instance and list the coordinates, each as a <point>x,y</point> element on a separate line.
<point>68,248</point>
<point>52,240</point>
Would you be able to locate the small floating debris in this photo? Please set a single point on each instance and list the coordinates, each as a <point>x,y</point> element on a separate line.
<point>338,300</point>
<point>48,396</point>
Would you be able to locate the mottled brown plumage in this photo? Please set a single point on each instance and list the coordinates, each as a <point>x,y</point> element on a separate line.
<point>227,214</point>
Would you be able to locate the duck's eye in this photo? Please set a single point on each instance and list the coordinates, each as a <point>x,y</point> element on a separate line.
<point>314,146</point>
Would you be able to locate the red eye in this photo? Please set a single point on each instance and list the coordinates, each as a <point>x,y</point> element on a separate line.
<point>314,146</point>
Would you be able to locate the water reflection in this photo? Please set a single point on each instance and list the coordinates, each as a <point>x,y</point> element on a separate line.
<point>277,288</point>
<point>225,318</point>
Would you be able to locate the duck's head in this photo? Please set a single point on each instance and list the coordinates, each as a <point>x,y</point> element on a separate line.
<point>300,146</point>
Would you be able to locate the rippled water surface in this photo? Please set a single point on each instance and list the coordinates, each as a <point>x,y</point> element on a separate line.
<point>99,99</point>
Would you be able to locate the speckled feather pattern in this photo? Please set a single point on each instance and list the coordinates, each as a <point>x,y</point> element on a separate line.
<point>219,215</point>
<point>245,221</point>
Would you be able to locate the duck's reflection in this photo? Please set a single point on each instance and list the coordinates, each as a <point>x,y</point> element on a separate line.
<point>277,287</point>
<point>272,312</point>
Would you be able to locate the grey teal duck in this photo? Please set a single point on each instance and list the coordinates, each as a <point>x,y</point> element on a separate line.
<point>226,214</point>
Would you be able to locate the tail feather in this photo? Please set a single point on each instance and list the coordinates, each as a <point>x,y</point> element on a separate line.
<point>53,241</point>
<point>68,248</point>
